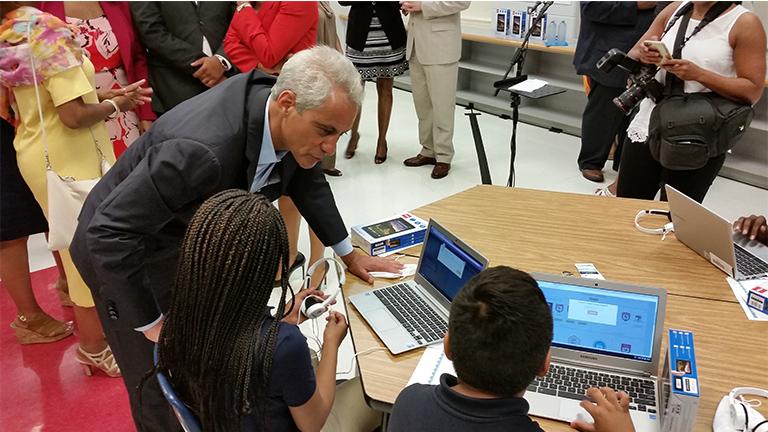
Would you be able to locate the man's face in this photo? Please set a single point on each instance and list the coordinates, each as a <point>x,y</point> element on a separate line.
<point>312,135</point>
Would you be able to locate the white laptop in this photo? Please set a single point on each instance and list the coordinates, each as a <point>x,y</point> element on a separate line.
<point>605,334</point>
<point>413,314</point>
<point>713,237</point>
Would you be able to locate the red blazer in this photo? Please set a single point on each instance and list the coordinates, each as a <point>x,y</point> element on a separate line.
<point>267,35</point>
<point>131,51</point>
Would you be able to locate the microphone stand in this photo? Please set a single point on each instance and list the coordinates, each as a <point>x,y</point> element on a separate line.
<point>518,61</point>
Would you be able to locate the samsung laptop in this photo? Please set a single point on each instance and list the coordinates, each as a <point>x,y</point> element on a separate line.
<point>605,334</point>
<point>713,237</point>
<point>414,313</point>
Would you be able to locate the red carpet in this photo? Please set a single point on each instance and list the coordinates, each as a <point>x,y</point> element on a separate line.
<point>43,388</point>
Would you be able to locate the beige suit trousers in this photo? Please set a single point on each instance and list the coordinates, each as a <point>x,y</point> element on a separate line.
<point>434,95</point>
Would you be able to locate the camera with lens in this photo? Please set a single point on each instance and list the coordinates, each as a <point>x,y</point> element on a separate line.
<point>641,75</point>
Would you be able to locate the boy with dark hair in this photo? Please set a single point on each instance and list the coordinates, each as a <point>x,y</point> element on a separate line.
<point>499,336</point>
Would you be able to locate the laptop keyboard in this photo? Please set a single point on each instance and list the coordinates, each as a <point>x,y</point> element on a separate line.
<point>413,313</point>
<point>748,264</point>
<point>572,383</point>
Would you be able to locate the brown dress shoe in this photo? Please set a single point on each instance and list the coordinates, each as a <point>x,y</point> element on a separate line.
<point>419,160</point>
<point>593,175</point>
<point>440,170</point>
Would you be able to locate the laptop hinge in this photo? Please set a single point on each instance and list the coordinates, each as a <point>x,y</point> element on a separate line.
<point>614,369</point>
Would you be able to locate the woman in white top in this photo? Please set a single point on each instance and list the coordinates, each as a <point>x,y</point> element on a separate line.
<point>727,56</point>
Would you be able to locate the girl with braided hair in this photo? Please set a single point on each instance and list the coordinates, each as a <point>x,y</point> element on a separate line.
<point>238,366</point>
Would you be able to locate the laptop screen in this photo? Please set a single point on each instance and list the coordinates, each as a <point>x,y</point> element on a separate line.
<point>603,321</point>
<point>446,265</point>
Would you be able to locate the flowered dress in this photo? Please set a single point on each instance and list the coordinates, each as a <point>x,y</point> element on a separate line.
<point>100,44</point>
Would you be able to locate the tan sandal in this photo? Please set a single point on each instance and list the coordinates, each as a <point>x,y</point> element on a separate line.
<point>103,361</point>
<point>40,328</point>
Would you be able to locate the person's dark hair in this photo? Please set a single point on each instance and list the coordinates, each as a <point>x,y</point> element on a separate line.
<point>500,331</point>
<point>212,343</point>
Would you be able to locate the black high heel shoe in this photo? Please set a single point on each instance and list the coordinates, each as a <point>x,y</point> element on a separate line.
<point>298,263</point>
<point>379,159</point>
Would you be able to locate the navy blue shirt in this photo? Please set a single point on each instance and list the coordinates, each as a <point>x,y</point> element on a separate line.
<point>427,408</point>
<point>293,379</point>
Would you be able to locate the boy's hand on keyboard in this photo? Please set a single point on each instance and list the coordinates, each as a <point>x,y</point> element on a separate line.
<point>610,411</point>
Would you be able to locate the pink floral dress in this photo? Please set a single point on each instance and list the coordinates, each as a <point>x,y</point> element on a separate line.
<point>100,44</point>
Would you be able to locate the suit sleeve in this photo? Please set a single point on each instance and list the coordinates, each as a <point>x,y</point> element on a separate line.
<point>614,12</point>
<point>161,43</point>
<point>270,47</point>
<point>173,175</point>
<point>436,9</point>
<point>313,197</point>
<point>139,59</point>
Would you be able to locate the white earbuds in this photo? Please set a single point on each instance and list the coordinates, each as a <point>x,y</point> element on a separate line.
<point>734,414</point>
<point>314,307</point>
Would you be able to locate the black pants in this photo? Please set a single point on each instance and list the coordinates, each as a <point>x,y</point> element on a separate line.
<point>600,123</point>
<point>134,352</point>
<point>641,176</point>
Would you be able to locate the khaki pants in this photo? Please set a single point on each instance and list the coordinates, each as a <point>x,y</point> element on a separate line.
<point>434,95</point>
<point>349,413</point>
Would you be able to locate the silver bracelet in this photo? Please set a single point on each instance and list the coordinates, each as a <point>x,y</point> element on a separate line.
<point>117,109</point>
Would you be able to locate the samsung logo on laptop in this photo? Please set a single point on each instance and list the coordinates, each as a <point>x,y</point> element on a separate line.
<point>587,357</point>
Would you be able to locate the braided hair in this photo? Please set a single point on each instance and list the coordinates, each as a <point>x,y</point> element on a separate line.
<point>212,344</point>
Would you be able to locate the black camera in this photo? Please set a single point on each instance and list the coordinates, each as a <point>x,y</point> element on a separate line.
<point>641,75</point>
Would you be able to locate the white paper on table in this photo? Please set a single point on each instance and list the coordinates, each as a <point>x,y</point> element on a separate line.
<point>432,364</point>
<point>529,85</point>
<point>408,270</point>
<point>740,289</point>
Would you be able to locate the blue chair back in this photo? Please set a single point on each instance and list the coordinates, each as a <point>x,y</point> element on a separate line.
<point>186,417</point>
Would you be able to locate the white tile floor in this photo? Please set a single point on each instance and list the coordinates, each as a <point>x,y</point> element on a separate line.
<point>545,160</point>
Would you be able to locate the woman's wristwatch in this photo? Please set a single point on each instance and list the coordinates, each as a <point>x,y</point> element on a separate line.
<point>241,6</point>
<point>117,109</point>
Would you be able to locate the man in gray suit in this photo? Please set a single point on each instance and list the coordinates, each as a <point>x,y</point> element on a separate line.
<point>433,50</point>
<point>251,132</point>
<point>184,44</point>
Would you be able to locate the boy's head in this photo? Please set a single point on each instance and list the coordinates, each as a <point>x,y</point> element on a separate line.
<point>500,331</point>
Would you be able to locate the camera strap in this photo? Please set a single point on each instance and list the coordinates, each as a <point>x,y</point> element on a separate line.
<point>674,85</point>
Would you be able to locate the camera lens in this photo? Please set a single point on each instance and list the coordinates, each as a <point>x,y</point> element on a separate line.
<point>627,101</point>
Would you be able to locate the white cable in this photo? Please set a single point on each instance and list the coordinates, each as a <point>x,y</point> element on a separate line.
<point>352,361</point>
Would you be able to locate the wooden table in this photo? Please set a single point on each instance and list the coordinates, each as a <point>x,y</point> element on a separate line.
<point>549,232</point>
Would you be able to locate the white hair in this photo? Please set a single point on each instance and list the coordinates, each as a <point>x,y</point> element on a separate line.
<point>312,74</point>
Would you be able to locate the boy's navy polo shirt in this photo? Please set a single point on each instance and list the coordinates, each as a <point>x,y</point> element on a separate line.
<point>438,408</point>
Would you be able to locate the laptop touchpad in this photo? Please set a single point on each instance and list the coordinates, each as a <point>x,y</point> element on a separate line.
<point>381,320</point>
<point>571,410</point>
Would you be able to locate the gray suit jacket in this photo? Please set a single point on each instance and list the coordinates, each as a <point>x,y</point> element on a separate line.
<point>172,33</point>
<point>127,242</point>
<point>435,32</point>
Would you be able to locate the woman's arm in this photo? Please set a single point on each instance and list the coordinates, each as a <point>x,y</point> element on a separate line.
<point>748,40</point>
<point>642,52</point>
<point>76,114</point>
<point>293,20</point>
<point>312,415</point>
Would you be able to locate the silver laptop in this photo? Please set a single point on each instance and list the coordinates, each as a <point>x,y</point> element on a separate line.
<point>412,314</point>
<point>605,334</point>
<point>713,237</point>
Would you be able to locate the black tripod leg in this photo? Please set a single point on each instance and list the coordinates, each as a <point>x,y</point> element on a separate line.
<point>513,140</point>
<point>482,160</point>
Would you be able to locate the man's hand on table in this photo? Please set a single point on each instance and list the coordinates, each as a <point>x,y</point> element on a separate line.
<point>359,264</point>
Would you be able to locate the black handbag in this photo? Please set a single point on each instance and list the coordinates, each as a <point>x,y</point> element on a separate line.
<point>687,129</point>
